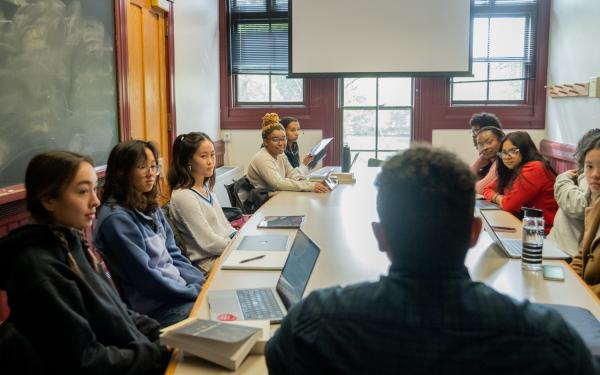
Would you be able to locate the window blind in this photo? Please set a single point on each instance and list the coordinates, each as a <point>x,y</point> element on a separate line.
<point>258,36</point>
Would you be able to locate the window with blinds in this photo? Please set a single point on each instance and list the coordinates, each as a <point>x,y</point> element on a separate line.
<point>504,53</point>
<point>258,52</point>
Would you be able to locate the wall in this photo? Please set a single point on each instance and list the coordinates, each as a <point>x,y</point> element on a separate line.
<point>459,141</point>
<point>245,143</point>
<point>574,56</point>
<point>197,66</point>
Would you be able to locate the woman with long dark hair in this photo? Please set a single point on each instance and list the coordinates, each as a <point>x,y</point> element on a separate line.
<point>138,243</point>
<point>60,299</point>
<point>194,208</point>
<point>525,179</point>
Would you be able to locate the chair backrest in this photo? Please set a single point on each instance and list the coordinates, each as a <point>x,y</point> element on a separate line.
<point>243,195</point>
<point>372,162</point>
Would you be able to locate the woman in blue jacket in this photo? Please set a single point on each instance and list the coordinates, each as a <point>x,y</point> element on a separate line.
<point>136,241</point>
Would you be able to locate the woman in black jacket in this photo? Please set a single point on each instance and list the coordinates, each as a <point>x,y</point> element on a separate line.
<point>60,300</point>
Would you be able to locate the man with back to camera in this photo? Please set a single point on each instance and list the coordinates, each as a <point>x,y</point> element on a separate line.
<point>426,316</point>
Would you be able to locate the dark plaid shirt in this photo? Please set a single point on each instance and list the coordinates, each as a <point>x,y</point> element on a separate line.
<point>408,324</point>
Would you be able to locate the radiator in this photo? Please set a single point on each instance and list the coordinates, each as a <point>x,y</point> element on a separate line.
<point>226,175</point>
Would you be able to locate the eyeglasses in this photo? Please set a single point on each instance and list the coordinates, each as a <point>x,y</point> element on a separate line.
<point>145,169</point>
<point>512,153</point>
<point>278,139</point>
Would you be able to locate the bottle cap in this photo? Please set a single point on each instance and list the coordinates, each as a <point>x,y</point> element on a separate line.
<point>532,212</point>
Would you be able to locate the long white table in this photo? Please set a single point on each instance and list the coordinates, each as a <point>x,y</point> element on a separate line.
<point>340,223</point>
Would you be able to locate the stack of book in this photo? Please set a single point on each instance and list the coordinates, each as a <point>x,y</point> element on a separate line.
<point>221,343</point>
<point>344,178</point>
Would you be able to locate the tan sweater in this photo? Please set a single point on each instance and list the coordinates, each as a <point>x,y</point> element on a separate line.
<point>587,262</point>
<point>274,174</point>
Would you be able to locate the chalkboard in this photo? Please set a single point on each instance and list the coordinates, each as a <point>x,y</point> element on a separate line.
<point>57,81</point>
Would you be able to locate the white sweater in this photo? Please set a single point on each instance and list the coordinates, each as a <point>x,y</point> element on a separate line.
<point>572,199</point>
<point>202,224</point>
<point>266,172</point>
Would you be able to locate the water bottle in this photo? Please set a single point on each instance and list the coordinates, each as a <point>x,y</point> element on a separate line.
<point>346,158</point>
<point>533,239</point>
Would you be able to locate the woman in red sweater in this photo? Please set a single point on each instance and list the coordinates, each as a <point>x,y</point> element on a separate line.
<point>525,179</point>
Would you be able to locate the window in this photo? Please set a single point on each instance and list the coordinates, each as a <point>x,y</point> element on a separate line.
<point>503,53</point>
<point>377,116</point>
<point>268,89</point>
<point>258,53</point>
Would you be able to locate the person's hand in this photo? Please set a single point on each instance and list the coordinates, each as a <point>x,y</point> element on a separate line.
<point>572,173</point>
<point>321,188</point>
<point>307,159</point>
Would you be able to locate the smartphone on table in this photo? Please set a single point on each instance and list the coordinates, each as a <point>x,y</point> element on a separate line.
<point>555,273</point>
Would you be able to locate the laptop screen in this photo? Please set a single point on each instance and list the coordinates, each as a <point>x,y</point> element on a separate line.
<point>297,269</point>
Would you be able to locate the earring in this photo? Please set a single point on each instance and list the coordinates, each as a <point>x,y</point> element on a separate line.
<point>190,167</point>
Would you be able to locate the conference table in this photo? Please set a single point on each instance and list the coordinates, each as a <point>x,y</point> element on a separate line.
<point>340,224</point>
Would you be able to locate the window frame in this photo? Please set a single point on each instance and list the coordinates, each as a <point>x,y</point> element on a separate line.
<point>434,110</point>
<point>238,103</point>
<point>489,12</point>
<point>377,108</point>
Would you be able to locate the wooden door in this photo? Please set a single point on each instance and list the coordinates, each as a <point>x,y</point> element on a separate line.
<point>147,49</point>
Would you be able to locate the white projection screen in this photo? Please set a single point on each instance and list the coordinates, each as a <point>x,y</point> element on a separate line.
<point>338,38</point>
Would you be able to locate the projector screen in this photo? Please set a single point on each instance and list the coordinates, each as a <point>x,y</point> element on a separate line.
<point>342,38</point>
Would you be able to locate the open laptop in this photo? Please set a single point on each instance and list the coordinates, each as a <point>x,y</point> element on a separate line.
<point>269,303</point>
<point>512,247</point>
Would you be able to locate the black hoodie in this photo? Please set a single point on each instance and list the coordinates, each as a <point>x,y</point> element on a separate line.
<point>77,324</point>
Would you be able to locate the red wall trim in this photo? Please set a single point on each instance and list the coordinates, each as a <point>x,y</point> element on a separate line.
<point>219,153</point>
<point>432,97</point>
<point>560,155</point>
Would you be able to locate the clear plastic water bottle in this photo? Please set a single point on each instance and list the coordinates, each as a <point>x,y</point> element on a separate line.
<point>533,239</point>
<point>346,158</point>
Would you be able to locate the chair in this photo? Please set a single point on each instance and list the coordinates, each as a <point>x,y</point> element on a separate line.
<point>372,162</point>
<point>245,196</point>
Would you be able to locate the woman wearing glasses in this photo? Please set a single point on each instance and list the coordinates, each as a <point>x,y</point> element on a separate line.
<point>153,276</point>
<point>525,179</point>
<point>488,145</point>
<point>270,169</point>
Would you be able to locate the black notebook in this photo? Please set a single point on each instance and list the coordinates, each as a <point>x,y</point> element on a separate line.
<point>287,222</point>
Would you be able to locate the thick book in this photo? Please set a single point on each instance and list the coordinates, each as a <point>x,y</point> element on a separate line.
<point>285,222</point>
<point>224,344</point>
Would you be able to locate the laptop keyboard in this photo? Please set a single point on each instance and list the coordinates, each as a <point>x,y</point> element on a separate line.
<point>259,304</point>
<point>513,246</point>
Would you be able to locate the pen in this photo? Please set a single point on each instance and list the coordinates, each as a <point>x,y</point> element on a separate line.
<point>499,228</point>
<point>250,259</point>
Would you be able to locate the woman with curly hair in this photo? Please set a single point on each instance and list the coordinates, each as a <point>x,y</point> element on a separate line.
<point>270,169</point>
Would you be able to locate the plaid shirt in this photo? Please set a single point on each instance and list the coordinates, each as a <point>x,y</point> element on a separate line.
<point>407,323</point>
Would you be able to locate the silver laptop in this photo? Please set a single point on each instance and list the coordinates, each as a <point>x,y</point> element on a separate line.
<point>513,247</point>
<point>269,303</point>
<point>264,242</point>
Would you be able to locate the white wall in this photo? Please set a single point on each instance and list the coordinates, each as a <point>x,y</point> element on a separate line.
<point>460,142</point>
<point>574,56</point>
<point>245,143</point>
<point>197,66</point>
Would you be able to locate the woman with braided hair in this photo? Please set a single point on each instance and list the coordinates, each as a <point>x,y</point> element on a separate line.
<point>270,169</point>
<point>61,303</point>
